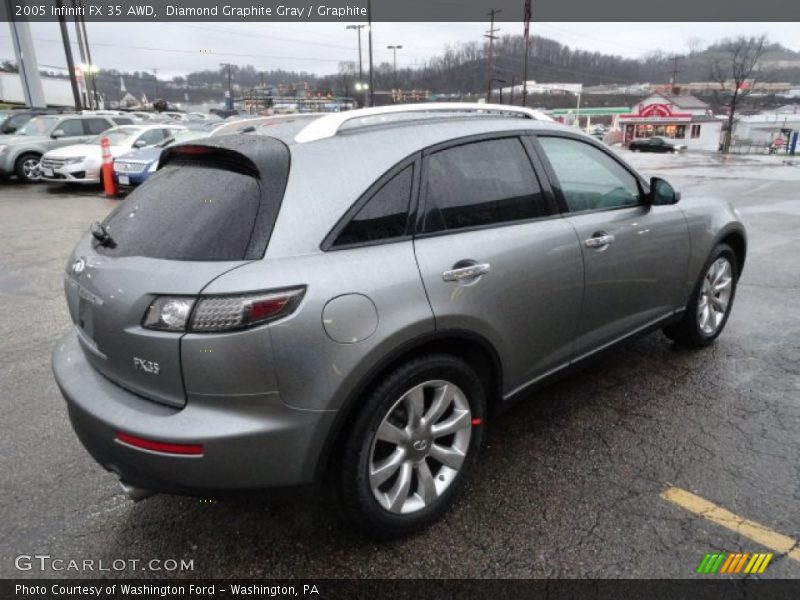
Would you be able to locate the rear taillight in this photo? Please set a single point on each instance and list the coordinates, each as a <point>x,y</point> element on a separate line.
<point>208,314</point>
<point>222,313</point>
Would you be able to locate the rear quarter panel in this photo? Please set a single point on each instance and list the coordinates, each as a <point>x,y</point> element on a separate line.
<point>314,371</point>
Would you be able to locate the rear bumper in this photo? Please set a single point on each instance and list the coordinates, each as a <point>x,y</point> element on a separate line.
<point>249,442</point>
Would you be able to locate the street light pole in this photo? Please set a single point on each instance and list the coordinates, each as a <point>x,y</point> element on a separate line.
<point>87,100</point>
<point>371,82</point>
<point>89,58</point>
<point>68,53</point>
<point>155,74</point>
<point>358,29</point>
<point>394,50</point>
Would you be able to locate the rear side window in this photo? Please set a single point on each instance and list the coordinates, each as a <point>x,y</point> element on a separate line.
<point>481,183</point>
<point>122,120</point>
<point>71,127</point>
<point>385,214</point>
<point>95,126</point>
<point>187,212</point>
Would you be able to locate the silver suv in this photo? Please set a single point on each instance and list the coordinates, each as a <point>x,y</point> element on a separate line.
<point>20,153</point>
<point>357,293</point>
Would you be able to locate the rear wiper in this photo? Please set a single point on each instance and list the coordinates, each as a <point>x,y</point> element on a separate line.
<point>100,233</point>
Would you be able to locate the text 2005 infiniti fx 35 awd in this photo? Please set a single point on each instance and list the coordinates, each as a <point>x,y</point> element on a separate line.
<point>355,293</point>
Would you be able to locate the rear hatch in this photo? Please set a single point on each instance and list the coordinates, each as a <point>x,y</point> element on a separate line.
<point>209,209</point>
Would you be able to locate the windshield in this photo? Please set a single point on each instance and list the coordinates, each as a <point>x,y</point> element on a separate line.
<point>183,135</point>
<point>118,136</point>
<point>39,126</point>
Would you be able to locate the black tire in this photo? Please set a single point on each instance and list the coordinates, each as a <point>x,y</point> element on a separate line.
<point>687,331</point>
<point>21,166</point>
<point>360,504</point>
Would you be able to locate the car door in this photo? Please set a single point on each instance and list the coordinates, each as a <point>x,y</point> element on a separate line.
<point>495,258</point>
<point>635,255</point>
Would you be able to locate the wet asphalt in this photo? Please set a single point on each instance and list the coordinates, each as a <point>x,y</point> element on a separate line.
<point>569,481</point>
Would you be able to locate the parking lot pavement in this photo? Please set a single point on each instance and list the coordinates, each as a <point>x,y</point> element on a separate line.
<point>570,482</point>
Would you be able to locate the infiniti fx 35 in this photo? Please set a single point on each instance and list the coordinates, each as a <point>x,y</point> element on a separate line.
<point>356,294</point>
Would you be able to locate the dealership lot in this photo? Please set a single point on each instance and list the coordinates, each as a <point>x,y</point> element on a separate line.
<point>570,483</point>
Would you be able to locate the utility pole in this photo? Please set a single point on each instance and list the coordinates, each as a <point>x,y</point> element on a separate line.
<point>371,80</point>
<point>490,63</point>
<point>527,41</point>
<point>229,66</point>
<point>358,29</point>
<point>155,74</point>
<point>675,71</point>
<point>62,23</point>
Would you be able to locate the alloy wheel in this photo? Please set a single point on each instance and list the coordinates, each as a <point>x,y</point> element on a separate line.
<point>420,446</point>
<point>30,167</point>
<point>715,296</point>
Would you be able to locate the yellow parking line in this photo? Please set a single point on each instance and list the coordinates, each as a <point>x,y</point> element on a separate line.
<point>756,532</point>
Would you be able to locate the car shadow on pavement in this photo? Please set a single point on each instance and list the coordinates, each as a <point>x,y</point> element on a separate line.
<point>551,467</point>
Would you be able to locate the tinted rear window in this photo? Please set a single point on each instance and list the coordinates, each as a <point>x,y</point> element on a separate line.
<point>384,216</point>
<point>187,212</point>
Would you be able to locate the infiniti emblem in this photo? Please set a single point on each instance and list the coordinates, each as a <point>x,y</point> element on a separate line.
<point>78,266</point>
<point>420,445</point>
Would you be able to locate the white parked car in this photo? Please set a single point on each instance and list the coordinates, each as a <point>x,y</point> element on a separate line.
<point>81,163</point>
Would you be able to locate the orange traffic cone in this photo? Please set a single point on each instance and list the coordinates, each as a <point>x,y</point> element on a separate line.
<point>109,185</point>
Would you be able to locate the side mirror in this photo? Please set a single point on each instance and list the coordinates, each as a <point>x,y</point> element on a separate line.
<point>662,193</point>
<point>57,134</point>
<point>139,144</point>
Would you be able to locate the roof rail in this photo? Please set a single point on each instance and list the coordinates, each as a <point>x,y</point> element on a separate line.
<point>330,124</point>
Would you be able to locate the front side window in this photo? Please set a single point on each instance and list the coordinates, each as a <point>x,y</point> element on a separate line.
<point>39,126</point>
<point>589,178</point>
<point>481,183</point>
<point>384,216</point>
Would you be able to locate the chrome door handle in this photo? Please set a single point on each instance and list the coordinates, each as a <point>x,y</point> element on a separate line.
<point>463,273</point>
<point>599,241</point>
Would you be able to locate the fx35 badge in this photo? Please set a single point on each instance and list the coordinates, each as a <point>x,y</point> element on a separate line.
<point>148,366</point>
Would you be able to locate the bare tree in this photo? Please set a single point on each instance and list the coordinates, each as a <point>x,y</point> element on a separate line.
<point>695,46</point>
<point>733,68</point>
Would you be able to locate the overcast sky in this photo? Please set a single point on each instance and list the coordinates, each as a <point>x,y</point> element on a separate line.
<point>177,48</point>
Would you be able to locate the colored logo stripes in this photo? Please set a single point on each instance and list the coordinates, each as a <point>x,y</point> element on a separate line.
<point>741,562</point>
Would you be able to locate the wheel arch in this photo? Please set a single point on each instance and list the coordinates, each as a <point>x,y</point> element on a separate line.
<point>736,239</point>
<point>474,349</point>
